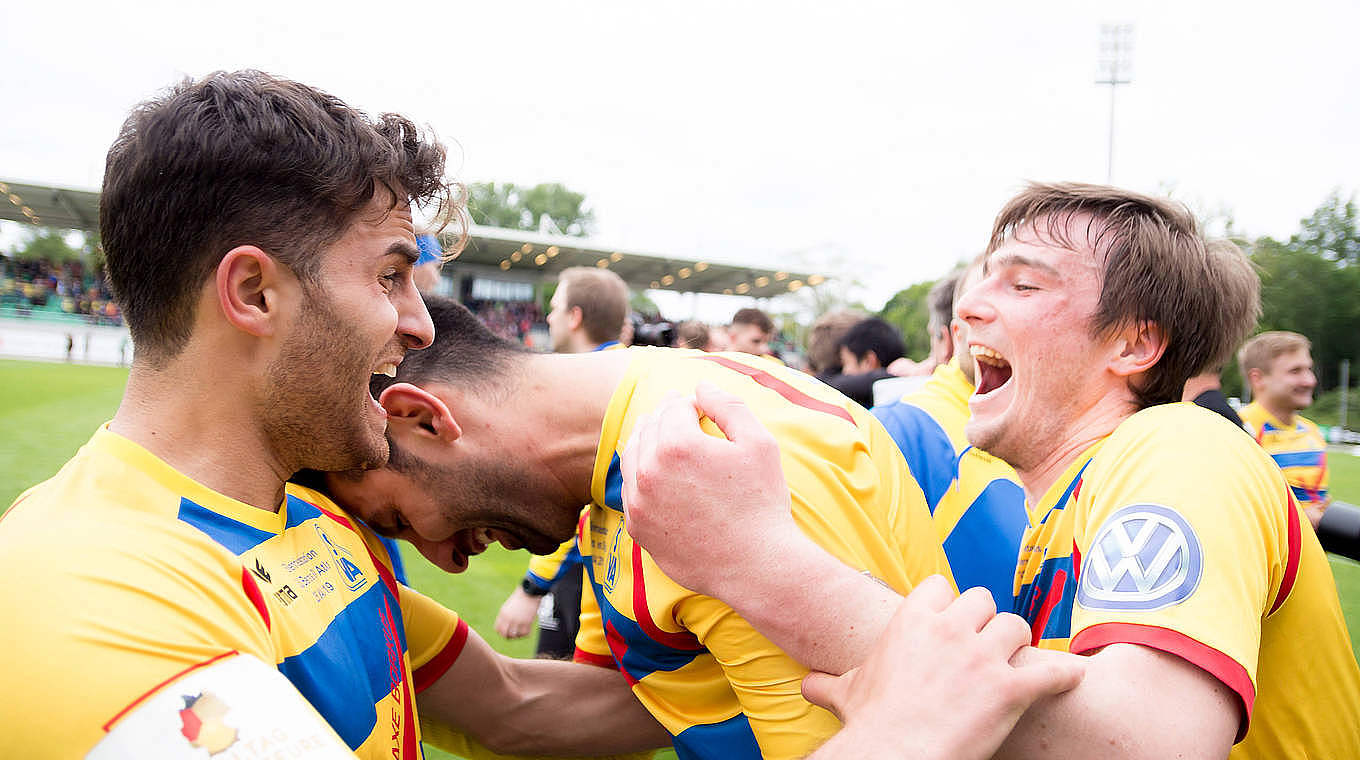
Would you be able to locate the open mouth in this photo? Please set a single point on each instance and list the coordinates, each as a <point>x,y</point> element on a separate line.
<point>993,371</point>
<point>469,542</point>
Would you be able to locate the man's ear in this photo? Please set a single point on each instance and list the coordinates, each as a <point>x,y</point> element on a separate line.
<point>250,286</point>
<point>427,413</point>
<point>575,317</point>
<point>1140,346</point>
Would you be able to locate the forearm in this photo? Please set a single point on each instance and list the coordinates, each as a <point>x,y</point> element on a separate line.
<point>817,609</point>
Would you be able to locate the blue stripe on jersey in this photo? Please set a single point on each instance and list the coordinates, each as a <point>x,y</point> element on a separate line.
<point>344,674</point>
<point>300,511</point>
<point>1286,459</point>
<point>613,485</point>
<point>638,654</point>
<point>237,537</point>
<point>925,446</point>
<point>985,541</point>
<point>1034,597</point>
<point>1305,495</point>
<point>731,738</point>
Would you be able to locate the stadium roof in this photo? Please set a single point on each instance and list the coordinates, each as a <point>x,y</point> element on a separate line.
<point>508,250</point>
<point>49,206</point>
<point>517,250</point>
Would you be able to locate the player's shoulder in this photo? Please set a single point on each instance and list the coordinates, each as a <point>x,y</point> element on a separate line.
<point>1308,424</point>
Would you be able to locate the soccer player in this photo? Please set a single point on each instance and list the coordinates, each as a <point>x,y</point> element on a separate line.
<point>493,443</point>
<point>1167,548</point>
<point>975,499</point>
<point>588,312</point>
<point>1278,367</point>
<point>169,593</point>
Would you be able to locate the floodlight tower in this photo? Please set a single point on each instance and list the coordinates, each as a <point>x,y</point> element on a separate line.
<point>1115,68</point>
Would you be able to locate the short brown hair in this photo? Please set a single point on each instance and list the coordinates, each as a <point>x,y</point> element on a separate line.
<point>754,316</point>
<point>602,297</point>
<point>1261,350</point>
<point>824,339</point>
<point>244,158</point>
<point>1155,269</point>
<point>692,334</point>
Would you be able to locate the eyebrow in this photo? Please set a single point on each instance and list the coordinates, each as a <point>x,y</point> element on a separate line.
<point>405,249</point>
<point>1018,260</point>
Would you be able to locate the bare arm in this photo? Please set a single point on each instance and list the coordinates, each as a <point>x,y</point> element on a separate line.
<point>1134,702</point>
<point>715,515</point>
<point>540,706</point>
<point>958,701</point>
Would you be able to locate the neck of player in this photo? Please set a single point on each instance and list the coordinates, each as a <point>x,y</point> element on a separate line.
<point>1074,440</point>
<point>1284,412</point>
<point>201,420</point>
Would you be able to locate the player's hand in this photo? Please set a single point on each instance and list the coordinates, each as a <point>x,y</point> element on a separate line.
<point>516,618</point>
<point>699,503</point>
<point>949,676</point>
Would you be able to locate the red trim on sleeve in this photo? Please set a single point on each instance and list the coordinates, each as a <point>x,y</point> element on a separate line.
<point>109,725</point>
<point>256,598</point>
<point>427,674</point>
<point>1291,568</point>
<point>591,658</point>
<point>683,640</point>
<point>1227,670</point>
<point>790,393</point>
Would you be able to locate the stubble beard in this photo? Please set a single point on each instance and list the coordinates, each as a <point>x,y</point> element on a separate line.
<point>313,417</point>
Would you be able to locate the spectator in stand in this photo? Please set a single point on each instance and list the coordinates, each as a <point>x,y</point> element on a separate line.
<point>589,311</point>
<point>824,342</point>
<point>1278,367</point>
<point>750,331</point>
<point>866,350</point>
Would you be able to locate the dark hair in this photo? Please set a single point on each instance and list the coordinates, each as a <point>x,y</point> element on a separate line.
<point>754,316</point>
<point>876,336</point>
<point>1155,269</point>
<point>244,158</point>
<point>602,297</point>
<point>464,353</point>
<point>941,302</point>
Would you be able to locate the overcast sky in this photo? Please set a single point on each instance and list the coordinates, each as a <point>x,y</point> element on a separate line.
<point>874,140</point>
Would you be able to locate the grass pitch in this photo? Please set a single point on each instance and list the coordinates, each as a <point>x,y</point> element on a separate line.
<point>49,410</point>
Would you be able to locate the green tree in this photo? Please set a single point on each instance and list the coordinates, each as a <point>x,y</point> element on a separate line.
<point>909,311</point>
<point>505,204</point>
<point>49,245</point>
<point>1311,285</point>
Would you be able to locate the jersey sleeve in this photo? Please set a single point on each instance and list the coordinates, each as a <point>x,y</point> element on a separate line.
<point>435,636</point>
<point>1184,543</point>
<point>591,646</point>
<point>544,570</point>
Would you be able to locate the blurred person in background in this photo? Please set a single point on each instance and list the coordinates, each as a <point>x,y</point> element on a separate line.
<point>750,332</point>
<point>589,312</point>
<point>940,302</point>
<point>1278,367</point>
<point>976,500</point>
<point>824,342</point>
<point>696,335</point>
<point>866,350</point>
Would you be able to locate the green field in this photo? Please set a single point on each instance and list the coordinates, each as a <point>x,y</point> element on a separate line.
<point>49,410</point>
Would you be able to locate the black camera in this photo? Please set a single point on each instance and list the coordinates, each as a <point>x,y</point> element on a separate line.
<point>653,334</point>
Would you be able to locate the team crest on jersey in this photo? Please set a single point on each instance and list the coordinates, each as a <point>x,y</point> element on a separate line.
<point>344,560</point>
<point>1145,557</point>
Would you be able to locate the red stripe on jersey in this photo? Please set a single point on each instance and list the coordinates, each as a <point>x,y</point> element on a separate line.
<point>1291,567</point>
<point>684,640</point>
<point>410,748</point>
<point>598,660</point>
<point>1051,599</point>
<point>581,528</point>
<point>256,598</point>
<point>790,393</point>
<point>619,646</point>
<point>338,518</point>
<point>1227,670</point>
<point>163,684</point>
<point>427,674</point>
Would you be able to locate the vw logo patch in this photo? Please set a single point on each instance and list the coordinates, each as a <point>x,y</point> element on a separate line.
<point>1145,557</point>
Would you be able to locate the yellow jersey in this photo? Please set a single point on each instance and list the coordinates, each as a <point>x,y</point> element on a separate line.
<point>719,687</point>
<point>1299,449</point>
<point>1177,533</point>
